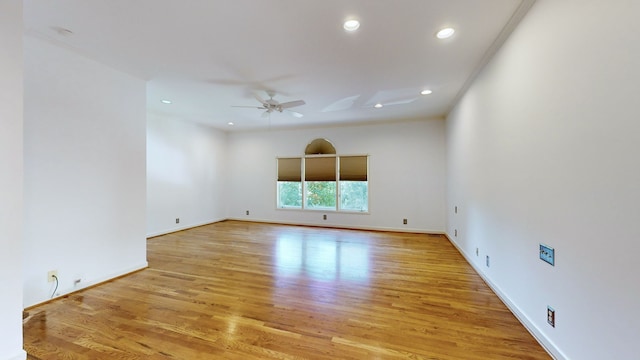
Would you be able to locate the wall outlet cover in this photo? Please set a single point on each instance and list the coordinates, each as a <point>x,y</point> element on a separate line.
<point>547,254</point>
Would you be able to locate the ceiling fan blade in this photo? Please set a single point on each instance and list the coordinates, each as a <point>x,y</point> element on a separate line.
<point>248,107</point>
<point>291,104</point>
<point>262,101</point>
<point>295,114</point>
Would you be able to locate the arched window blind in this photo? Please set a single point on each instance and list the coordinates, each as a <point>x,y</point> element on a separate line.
<point>319,146</point>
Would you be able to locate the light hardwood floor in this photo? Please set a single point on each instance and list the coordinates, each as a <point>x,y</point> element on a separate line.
<point>241,290</point>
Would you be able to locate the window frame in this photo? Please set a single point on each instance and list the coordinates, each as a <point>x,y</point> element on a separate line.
<point>337,181</point>
<point>288,175</point>
<point>357,174</point>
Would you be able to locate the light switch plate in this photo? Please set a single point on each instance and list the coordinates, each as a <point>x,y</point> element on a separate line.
<point>551,316</point>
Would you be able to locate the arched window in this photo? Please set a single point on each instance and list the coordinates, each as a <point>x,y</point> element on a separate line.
<point>323,180</point>
<point>320,147</point>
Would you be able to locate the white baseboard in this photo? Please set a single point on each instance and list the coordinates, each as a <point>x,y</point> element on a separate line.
<point>115,275</point>
<point>93,282</point>
<point>266,221</point>
<point>20,355</point>
<point>347,227</point>
<point>183,227</point>
<point>545,342</point>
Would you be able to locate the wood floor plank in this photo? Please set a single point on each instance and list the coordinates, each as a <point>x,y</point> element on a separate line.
<point>241,290</point>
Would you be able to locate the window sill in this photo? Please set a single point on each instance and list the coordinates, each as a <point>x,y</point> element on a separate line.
<point>333,211</point>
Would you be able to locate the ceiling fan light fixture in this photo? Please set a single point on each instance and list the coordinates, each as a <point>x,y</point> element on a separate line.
<point>426,92</point>
<point>445,33</point>
<point>351,25</point>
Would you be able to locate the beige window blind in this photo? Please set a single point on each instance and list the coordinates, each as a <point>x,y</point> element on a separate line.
<point>320,169</point>
<point>353,168</point>
<point>289,169</point>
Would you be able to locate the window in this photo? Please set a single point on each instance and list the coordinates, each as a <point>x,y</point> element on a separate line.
<point>354,189</point>
<point>322,180</point>
<point>289,183</point>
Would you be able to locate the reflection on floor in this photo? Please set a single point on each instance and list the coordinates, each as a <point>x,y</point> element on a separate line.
<point>322,258</point>
<point>240,290</point>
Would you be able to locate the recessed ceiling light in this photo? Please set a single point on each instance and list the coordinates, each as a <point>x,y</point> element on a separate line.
<point>377,106</point>
<point>165,101</point>
<point>445,33</point>
<point>426,92</point>
<point>351,25</point>
<point>230,123</point>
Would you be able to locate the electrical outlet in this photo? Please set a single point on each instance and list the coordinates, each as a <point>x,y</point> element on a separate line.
<point>551,316</point>
<point>477,251</point>
<point>247,212</point>
<point>455,232</point>
<point>404,221</point>
<point>177,220</point>
<point>324,217</point>
<point>488,263</point>
<point>52,275</point>
<point>455,211</point>
<point>547,254</point>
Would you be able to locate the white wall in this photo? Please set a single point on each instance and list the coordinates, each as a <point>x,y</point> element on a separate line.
<point>84,171</point>
<point>186,175</point>
<point>11,177</point>
<point>406,168</point>
<point>544,148</point>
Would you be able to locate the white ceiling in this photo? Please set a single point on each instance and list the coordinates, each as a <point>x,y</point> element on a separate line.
<point>207,55</point>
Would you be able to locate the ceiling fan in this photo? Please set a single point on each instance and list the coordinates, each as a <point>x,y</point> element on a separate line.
<point>272,105</point>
